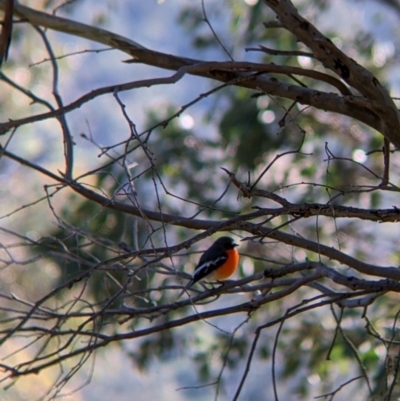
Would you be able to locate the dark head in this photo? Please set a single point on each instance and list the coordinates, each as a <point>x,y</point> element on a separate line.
<point>225,243</point>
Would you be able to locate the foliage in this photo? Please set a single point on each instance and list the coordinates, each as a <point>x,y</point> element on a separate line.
<point>293,152</point>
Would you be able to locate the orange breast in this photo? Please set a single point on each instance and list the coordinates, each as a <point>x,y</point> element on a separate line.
<point>229,267</point>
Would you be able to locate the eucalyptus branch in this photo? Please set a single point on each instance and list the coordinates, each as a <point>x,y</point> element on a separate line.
<point>345,67</point>
<point>347,105</point>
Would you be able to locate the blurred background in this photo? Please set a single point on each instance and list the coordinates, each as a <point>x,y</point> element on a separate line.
<point>48,234</point>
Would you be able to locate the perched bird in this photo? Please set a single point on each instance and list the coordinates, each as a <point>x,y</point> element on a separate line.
<point>218,262</point>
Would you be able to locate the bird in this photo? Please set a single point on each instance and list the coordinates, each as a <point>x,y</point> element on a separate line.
<point>218,262</point>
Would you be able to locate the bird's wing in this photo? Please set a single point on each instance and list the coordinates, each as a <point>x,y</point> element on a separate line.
<point>206,267</point>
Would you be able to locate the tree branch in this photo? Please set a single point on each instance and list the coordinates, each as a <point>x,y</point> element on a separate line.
<point>348,105</point>
<point>346,68</point>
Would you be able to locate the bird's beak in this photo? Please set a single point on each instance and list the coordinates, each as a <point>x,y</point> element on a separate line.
<point>235,244</point>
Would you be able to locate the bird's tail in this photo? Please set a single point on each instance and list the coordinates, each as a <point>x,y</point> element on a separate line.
<point>191,282</point>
